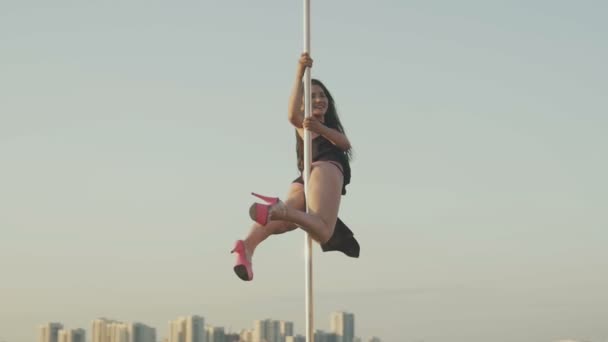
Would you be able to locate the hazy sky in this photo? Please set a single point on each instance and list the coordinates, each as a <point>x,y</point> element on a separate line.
<point>133,132</point>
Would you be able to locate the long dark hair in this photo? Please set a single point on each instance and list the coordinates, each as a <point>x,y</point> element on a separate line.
<point>331,120</point>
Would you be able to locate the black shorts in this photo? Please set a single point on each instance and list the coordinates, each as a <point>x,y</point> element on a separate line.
<point>341,168</point>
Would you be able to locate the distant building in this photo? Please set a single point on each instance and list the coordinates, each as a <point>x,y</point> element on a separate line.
<point>99,329</point>
<point>246,336</point>
<point>139,332</point>
<point>268,331</point>
<point>72,335</point>
<point>232,338</point>
<point>286,328</point>
<point>108,330</point>
<point>215,334</point>
<point>187,329</point>
<point>49,332</point>
<point>343,325</point>
<point>322,336</point>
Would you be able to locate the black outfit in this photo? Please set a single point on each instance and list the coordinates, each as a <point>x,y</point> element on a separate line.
<point>342,239</point>
<point>323,149</point>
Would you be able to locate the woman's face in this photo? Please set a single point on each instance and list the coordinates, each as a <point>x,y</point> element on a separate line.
<point>319,102</point>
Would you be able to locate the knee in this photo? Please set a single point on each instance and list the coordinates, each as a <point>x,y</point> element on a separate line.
<point>327,232</point>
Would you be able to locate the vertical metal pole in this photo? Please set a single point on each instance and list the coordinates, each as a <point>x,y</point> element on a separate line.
<point>307,162</point>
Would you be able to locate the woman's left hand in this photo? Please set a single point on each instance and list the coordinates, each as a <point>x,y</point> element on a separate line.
<point>313,124</point>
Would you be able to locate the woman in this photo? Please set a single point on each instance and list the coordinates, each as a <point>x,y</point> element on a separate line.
<point>329,175</point>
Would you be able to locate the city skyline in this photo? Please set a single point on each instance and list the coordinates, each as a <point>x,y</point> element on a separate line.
<point>192,328</point>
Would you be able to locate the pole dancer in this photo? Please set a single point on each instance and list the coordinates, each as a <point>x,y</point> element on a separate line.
<point>313,201</point>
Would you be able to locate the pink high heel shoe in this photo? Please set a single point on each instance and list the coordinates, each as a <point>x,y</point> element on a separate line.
<point>243,267</point>
<point>262,213</point>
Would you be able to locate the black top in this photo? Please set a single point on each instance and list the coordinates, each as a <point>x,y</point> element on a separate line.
<point>323,149</point>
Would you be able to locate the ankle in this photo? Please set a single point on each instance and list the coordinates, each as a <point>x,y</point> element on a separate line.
<point>280,211</point>
<point>249,248</point>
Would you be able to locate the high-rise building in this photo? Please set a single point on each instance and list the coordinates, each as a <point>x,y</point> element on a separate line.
<point>269,330</point>
<point>49,332</point>
<point>343,325</point>
<point>187,329</point>
<point>107,330</point>
<point>259,330</point>
<point>177,331</point>
<point>100,329</point>
<point>139,332</point>
<point>117,332</point>
<point>215,334</point>
<point>72,335</point>
<point>195,329</point>
<point>286,328</point>
<point>246,335</point>
<point>322,336</point>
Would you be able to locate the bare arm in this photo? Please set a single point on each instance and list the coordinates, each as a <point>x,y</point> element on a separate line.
<point>333,135</point>
<point>296,113</point>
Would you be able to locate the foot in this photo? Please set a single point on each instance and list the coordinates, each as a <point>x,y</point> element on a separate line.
<point>262,213</point>
<point>243,267</point>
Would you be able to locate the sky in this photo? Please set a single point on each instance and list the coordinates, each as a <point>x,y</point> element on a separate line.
<point>132,134</point>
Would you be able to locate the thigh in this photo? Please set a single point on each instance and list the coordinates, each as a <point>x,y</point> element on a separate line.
<point>325,192</point>
<point>295,196</point>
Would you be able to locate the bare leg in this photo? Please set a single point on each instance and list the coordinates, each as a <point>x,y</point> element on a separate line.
<point>324,191</point>
<point>259,233</point>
